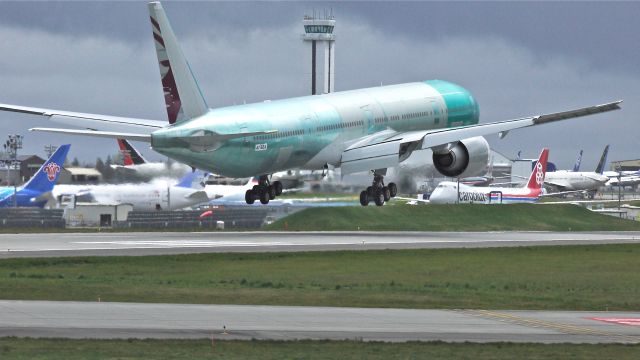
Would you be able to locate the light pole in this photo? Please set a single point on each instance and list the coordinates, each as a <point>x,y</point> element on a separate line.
<point>11,147</point>
<point>618,168</point>
<point>50,149</point>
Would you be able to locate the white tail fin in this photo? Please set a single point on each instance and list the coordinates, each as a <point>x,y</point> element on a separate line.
<point>182,95</point>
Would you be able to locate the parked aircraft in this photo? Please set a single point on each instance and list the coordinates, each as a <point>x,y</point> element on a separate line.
<point>37,191</point>
<point>135,166</point>
<point>359,130</point>
<point>130,155</point>
<point>588,181</point>
<point>230,192</point>
<point>447,192</point>
<point>157,195</point>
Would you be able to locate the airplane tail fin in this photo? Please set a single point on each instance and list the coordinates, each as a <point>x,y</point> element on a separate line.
<point>182,95</point>
<point>576,166</point>
<point>46,177</point>
<point>188,180</point>
<point>536,180</point>
<point>130,155</point>
<point>603,160</point>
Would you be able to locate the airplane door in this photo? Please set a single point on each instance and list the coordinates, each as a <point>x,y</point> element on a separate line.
<point>435,110</point>
<point>368,119</point>
<point>499,196</point>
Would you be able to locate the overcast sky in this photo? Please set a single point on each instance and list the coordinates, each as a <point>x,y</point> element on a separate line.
<point>518,59</point>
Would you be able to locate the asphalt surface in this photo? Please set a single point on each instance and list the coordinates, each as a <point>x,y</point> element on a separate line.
<point>134,320</point>
<point>156,243</point>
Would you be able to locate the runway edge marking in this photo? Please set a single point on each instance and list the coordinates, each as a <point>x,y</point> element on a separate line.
<point>564,328</point>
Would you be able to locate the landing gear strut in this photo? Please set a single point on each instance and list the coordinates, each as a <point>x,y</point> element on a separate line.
<point>378,192</point>
<point>264,191</point>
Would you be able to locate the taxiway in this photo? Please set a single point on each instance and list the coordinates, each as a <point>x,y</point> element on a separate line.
<point>135,320</point>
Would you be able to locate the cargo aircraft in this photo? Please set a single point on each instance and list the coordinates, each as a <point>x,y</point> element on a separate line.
<point>368,129</point>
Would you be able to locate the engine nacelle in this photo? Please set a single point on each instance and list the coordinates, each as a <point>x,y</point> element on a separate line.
<point>468,157</point>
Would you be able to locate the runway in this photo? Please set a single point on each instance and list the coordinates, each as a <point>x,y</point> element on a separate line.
<point>157,243</point>
<point>134,320</point>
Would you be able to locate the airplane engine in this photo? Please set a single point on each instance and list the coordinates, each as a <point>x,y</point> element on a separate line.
<point>468,157</point>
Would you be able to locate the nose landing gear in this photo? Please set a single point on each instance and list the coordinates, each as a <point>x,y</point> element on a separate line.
<point>264,191</point>
<point>378,192</point>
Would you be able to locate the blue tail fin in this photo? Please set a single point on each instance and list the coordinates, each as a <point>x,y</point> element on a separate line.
<point>187,180</point>
<point>603,160</point>
<point>576,166</point>
<point>47,176</point>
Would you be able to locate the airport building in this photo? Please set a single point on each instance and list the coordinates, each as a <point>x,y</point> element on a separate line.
<point>17,171</point>
<point>625,165</point>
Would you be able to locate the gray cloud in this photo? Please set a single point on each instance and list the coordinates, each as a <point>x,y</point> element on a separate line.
<point>117,74</point>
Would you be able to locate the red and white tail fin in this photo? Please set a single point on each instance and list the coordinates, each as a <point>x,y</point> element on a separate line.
<point>536,180</point>
<point>130,155</point>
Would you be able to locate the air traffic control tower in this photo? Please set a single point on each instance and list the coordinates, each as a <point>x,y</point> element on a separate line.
<point>320,30</point>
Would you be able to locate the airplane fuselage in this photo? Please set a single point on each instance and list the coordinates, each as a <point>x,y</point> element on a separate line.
<point>143,197</point>
<point>568,180</point>
<point>10,197</point>
<point>313,131</point>
<point>447,193</point>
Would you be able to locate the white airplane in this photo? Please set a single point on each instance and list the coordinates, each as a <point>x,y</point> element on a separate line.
<point>228,191</point>
<point>136,166</point>
<point>447,192</point>
<point>157,195</point>
<point>589,181</point>
<point>360,130</point>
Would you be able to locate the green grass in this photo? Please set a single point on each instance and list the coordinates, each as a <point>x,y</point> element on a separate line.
<point>594,277</point>
<point>463,217</point>
<point>321,196</point>
<point>13,348</point>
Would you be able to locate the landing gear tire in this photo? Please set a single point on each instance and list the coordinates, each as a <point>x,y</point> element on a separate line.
<point>378,198</point>
<point>370,191</point>
<point>386,193</point>
<point>364,198</point>
<point>278,186</point>
<point>249,197</point>
<point>393,189</point>
<point>271,190</point>
<point>264,197</point>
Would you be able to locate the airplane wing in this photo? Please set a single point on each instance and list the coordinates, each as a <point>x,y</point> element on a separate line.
<point>557,184</point>
<point>91,121</point>
<point>199,196</point>
<point>415,200</point>
<point>388,149</point>
<point>561,193</point>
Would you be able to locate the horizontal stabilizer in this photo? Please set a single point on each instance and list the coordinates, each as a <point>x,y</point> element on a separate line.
<point>104,134</point>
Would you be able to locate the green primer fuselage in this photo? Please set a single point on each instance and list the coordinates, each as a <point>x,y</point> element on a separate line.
<point>314,130</point>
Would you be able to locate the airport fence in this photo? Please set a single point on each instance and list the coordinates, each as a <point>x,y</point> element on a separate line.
<point>31,218</point>
<point>233,218</point>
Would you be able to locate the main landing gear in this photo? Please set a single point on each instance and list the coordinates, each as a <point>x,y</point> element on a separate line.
<point>264,191</point>
<point>378,192</point>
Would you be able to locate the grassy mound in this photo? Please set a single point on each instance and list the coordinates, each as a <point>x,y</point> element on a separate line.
<point>463,217</point>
